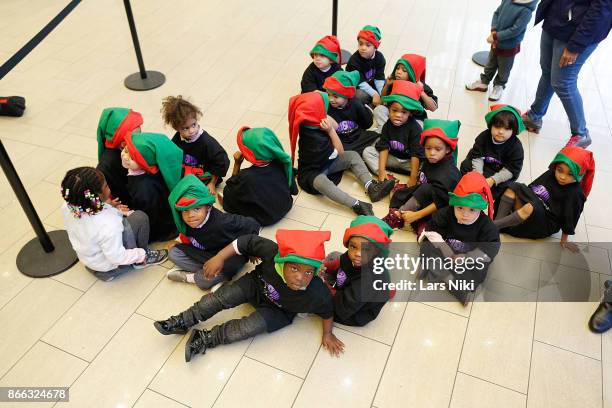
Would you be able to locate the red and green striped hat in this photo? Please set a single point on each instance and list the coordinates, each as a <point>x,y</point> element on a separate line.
<point>407,94</point>
<point>260,146</point>
<point>330,47</point>
<point>415,65</point>
<point>447,130</point>
<point>305,247</point>
<point>369,227</point>
<point>342,83</point>
<point>305,109</point>
<point>371,34</point>
<point>500,107</point>
<point>113,125</point>
<point>190,192</point>
<point>581,164</point>
<point>472,191</point>
<point>155,152</point>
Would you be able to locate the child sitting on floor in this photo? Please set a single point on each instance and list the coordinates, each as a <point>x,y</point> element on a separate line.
<point>326,58</point>
<point>322,159</point>
<point>552,202</point>
<point>279,288</point>
<point>343,273</point>
<point>461,233</point>
<point>351,117</point>
<point>263,191</point>
<point>203,155</point>
<point>108,239</point>
<point>204,231</point>
<point>154,168</point>
<point>370,63</point>
<point>113,125</point>
<point>497,153</point>
<point>437,177</point>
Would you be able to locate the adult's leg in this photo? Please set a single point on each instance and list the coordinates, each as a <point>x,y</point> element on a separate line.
<point>545,90</point>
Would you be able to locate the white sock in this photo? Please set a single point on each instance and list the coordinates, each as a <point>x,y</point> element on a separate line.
<point>190,277</point>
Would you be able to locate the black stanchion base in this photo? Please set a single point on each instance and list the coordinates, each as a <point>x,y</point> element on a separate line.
<point>33,261</point>
<point>481,58</point>
<point>346,55</point>
<point>153,80</point>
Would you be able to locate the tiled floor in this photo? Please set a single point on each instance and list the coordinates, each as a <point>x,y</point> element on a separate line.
<point>241,61</point>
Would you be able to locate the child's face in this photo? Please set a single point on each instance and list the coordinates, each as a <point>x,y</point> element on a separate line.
<point>336,101</point>
<point>196,215</point>
<point>563,174</point>
<point>435,149</point>
<point>321,61</point>
<point>501,134</point>
<point>189,129</point>
<point>298,276</point>
<point>355,253</point>
<point>466,215</point>
<point>106,191</point>
<point>398,115</point>
<point>366,49</point>
<point>401,72</point>
<point>126,160</point>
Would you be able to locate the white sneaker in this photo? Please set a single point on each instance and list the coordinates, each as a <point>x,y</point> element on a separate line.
<point>177,274</point>
<point>496,93</point>
<point>477,86</point>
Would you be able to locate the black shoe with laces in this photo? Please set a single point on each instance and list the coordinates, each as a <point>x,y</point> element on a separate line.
<point>601,320</point>
<point>362,208</point>
<point>153,257</point>
<point>173,325</point>
<point>198,342</point>
<point>377,190</point>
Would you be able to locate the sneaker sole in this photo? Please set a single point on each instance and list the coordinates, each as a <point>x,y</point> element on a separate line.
<point>188,354</point>
<point>150,264</point>
<point>477,89</point>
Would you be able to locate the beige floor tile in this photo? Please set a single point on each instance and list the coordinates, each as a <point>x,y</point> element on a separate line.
<point>498,343</point>
<point>384,327</point>
<point>12,281</point>
<point>596,210</point>
<point>273,387</point>
<point>515,270</point>
<point>561,379</point>
<point>606,353</point>
<point>357,372</point>
<point>422,365</point>
<point>286,223</point>
<point>169,298</point>
<point>77,276</point>
<point>151,399</point>
<point>471,392</point>
<point>468,107</point>
<point>309,216</point>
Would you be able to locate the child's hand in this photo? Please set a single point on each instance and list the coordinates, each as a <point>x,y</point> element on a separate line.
<point>376,99</point>
<point>211,188</point>
<point>410,216</point>
<point>570,246</point>
<point>332,344</point>
<point>254,260</point>
<point>114,202</point>
<point>490,39</point>
<point>238,157</point>
<point>213,267</point>
<point>326,125</point>
<point>123,209</point>
<point>490,182</point>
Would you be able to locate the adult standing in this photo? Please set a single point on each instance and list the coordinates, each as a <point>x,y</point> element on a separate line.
<point>572,29</point>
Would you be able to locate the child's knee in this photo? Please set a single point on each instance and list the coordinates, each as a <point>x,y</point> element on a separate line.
<point>510,193</point>
<point>175,254</point>
<point>526,211</point>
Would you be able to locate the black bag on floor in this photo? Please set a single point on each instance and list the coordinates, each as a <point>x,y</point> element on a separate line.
<point>12,105</point>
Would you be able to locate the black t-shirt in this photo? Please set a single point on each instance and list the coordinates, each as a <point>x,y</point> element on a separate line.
<point>443,176</point>
<point>351,119</point>
<point>115,175</point>
<point>313,77</point>
<point>369,69</point>
<point>509,155</point>
<point>314,149</point>
<point>204,153</point>
<point>403,142</point>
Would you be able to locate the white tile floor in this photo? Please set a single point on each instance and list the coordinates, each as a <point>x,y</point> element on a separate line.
<point>241,61</point>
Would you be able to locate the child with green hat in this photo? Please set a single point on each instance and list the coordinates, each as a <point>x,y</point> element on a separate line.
<point>203,231</point>
<point>282,285</point>
<point>370,63</point>
<point>265,190</point>
<point>326,59</point>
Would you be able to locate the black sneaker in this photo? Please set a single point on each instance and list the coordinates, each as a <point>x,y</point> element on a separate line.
<point>377,190</point>
<point>153,257</point>
<point>173,325</point>
<point>197,343</point>
<point>362,208</point>
<point>601,320</point>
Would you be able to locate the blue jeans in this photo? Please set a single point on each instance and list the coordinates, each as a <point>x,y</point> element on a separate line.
<point>562,81</point>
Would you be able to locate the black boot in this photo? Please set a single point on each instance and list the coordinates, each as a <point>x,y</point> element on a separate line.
<point>198,342</point>
<point>362,208</point>
<point>601,320</point>
<point>173,325</point>
<point>377,190</point>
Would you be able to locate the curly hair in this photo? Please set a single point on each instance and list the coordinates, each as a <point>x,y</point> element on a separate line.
<point>81,189</point>
<point>176,111</point>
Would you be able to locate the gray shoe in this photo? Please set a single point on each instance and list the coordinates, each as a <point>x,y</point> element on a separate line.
<point>153,257</point>
<point>177,275</point>
<point>496,93</point>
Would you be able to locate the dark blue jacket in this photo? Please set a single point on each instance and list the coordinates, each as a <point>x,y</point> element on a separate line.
<point>510,21</point>
<point>579,23</point>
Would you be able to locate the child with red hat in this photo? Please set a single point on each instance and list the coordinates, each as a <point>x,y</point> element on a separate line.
<point>498,153</point>
<point>370,63</point>
<point>322,158</point>
<point>281,286</point>
<point>263,191</point>
<point>438,175</point>
<point>113,125</point>
<point>459,233</point>
<point>552,202</point>
<point>326,59</point>
<point>204,231</point>
<point>410,67</point>
<point>343,273</point>
<point>351,117</point>
<point>399,147</point>
<point>203,156</point>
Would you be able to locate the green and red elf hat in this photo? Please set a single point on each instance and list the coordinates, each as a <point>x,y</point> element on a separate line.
<point>260,146</point>
<point>446,130</point>
<point>342,83</point>
<point>500,107</point>
<point>472,191</point>
<point>415,65</point>
<point>371,34</point>
<point>330,47</point>
<point>369,227</point>
<point>407,94</point>
<point>304,247</point>
<point>155,152</point>
<point>581,164</point>
<point>188,193</point>
<point>307,109</point>
<point>113,125</point>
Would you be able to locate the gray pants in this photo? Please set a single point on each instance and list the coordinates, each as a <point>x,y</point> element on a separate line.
<point>135,235</point>
<point>345,161</point>
<point>187,263</point>
<point>371,156</point>
<point>499,64</point>
<point>363,96</point>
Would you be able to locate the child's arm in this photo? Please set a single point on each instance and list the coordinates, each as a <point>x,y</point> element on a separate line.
<point>238,158</point>
<point>565,243</point>
<point>212,184</point>
<point>429,102</point>
<point>383,156</point>
<point>330,342</point>
<point>327,127</point>
<point>387,88</point>
<point>248,245</point>
<point>414,170</point>
<point>501,176</point>
<point>412,216</point>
